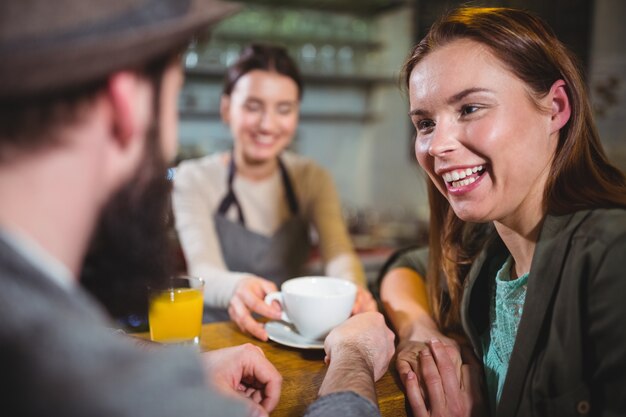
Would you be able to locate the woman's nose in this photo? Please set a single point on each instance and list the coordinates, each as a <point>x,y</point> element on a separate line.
<point>444,139</point>
<point>268,121</point>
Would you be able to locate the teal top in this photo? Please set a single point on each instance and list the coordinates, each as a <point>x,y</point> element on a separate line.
<point>505,311</point>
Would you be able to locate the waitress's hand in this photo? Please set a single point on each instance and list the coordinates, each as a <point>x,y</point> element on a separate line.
<point>249,298</point>
<point>364,302</point>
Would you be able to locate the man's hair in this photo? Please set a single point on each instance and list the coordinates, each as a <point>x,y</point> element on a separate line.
<point>34,122</point>
<point>31,123</point>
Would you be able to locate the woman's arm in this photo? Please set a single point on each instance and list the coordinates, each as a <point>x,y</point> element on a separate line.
<point>195,198</point>
<point>336,247</point>
<point>324,209</point>
<point>405,301</point>
<point>194,201</point>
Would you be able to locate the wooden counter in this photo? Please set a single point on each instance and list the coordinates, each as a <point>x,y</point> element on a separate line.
<point>302,371</point>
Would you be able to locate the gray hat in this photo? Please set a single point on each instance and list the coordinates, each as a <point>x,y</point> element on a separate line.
<point>49,45</point>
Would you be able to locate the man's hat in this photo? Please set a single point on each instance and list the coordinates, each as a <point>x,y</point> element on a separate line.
<point>49,45</point>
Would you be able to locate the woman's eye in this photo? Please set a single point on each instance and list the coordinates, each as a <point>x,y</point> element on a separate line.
<point>424,125</point>
<point>469,109</point>
<point>252,106</point>
<point>286,109</point>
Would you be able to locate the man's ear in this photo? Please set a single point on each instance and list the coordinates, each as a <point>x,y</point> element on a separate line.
<point>225,108</point>
<point>124,92</point>
<point>560,106</point>
<point>129,112</point>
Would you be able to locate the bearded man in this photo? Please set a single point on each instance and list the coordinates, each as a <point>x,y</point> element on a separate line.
<point>88,119</point>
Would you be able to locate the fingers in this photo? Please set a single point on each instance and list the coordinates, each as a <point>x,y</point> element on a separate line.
<point>258,411</point>
<point>455,356</point>
<point>272,381</point>
<point>404,367</point>
<point>447,369</point>
<point>407,357</point>
<point>414,395</point>
<point>261,378</point>
<point>431,379</point>
<point>454,401</point>
<point>256,396</point>
<point>255,302</point>
<point>241,316</point>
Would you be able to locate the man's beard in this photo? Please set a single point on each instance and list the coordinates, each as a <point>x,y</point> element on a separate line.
<point>131,249</point>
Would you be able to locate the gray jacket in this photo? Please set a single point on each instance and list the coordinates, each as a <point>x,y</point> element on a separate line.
<point>59,356</point>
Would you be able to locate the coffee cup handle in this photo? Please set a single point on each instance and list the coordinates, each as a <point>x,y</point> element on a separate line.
<point>277,296</point>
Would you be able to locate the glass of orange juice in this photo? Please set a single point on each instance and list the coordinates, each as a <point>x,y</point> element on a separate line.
<point>175,311</point>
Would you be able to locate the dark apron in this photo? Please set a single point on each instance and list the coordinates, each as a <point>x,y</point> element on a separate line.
<point>276,258</point>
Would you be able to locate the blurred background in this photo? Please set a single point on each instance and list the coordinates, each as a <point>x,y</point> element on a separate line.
<point>354,112</point>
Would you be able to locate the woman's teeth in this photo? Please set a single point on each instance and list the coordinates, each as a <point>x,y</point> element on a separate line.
<point>459,177</point>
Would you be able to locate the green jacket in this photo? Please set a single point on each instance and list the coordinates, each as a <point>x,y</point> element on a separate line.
<point>569,356</point>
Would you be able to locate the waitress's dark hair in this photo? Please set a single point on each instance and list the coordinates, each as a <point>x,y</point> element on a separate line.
<point>257,56</point>
<point>581,177</point>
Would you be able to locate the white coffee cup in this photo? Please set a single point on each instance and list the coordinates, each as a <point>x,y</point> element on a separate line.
<point>315,304</point>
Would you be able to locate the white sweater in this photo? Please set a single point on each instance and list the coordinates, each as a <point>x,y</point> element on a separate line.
<point>201,184</point>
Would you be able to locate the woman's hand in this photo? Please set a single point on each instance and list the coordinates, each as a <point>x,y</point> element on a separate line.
<point>364,302</point>
<point>437,390</point>
<point>249,297</point>
<point>410,346</point>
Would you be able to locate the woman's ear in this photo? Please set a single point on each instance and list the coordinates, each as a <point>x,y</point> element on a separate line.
<point>560,105</point>
<point>225,108</point>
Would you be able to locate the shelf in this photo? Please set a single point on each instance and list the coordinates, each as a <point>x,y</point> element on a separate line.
<point>213,73</point>
<point>358,7</point>
<point>188,114</point>
<point>294,39</point>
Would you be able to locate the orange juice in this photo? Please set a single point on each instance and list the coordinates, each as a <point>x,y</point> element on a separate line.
<point>175,315</point>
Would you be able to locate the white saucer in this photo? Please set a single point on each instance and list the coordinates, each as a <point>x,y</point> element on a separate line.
<point>282,333</point>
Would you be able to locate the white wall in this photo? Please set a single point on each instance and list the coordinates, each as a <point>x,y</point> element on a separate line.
<point>373,163</point>
<point>608,61</point>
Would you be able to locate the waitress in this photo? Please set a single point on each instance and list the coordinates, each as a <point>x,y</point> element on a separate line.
<point>244,217</point>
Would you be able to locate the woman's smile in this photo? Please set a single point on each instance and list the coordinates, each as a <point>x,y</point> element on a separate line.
<point>480,137</point>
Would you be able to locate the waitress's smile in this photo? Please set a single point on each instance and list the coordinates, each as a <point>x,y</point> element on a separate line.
<point>262,113</point>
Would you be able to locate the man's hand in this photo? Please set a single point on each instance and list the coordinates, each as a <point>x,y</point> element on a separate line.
<point>244,370</point>
<point>249,298</point>
<point>358,353</point>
